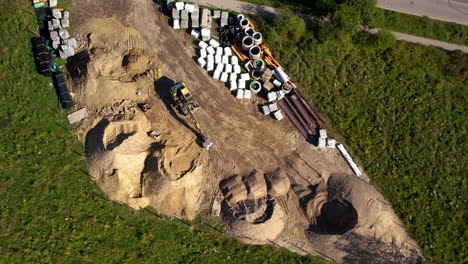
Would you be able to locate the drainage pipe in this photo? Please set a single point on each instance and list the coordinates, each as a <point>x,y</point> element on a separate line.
<point>244,23</point>
<point>254,52</point>
<point>255,87</point>
<point>257,36</point>
<point>247,43</point>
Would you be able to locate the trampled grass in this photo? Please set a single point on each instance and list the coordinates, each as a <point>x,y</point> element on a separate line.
<point>51,211</point>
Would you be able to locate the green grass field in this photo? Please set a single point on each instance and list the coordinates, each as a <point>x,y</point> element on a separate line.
<point>385,19</point>
<point>51,211</point>
<point>401,109</point>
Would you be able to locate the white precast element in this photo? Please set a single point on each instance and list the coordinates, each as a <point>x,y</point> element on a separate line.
<point>241,84</point>
<point>227,51</point>
<point>219,51</point>
<point>189,8</point>
<point>240,94</point>
<point>249,31</point>
<point>225,59</point>
<point>54,36</point>
<point>176,24</point>
<point>202,44</point>
<point>195,33</point>
<point>281,75</point>
<point>210,50</point>
<point>245,76</point>
<point>179,5</point>
<point>266,110</point>
<point>281,93</point>
<point>331,143</point>
<point>216,75</point>
<point>56,13</point>
<point>175,14</point>
<point>65,22</point>
<point>65,14</point>
<point>232,77</point>
<point>278,115</point>
<point>218,59</point>
<point>255,87</point>
<point>210,66</point>
<point>257,36</point>
<point>272,96</point>
<point>210,57</point>
<point>77,116</point>
<point>348,158</point>
<point>214,43</point>
<point>237,69</point>
<point>247,94</point>
<point>276,83</point>
<point>322,133</point>
<point>203,53</point>
<point>55,44</point>
<point>205,32</point>
<point>273,107</point>
<point>52,3</point>
<point>184,23</point>
<point>219,67</point>
<point>224,19</point>
<point>224,77</point>
<point>244,23</point>
<point>232,85</point>
<point>228,68</point>
<point>201,62</point>
<point>234,60</point>
<point>216,13</point>
<point>247,43</point>
<point>321,142</point>
<point>63,33</point>
<point>255,52</point>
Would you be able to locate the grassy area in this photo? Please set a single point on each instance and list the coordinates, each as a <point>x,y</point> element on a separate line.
<point>422,26</point>
<point>401,109</point>
<point>52,212</point>
<point>386,19</point>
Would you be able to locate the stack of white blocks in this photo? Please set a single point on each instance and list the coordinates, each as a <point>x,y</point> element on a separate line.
<point>272,109</point>
<point>180,15</point>
<point>224,66</point>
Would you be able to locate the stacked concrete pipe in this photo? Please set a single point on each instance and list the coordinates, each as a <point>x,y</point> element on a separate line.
<point>247,43</point>
<point>254,52</point>
<point>257,36</point>
<point>244,23</point>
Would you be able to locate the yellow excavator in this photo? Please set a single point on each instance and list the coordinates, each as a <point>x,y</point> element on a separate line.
<point>187,104</point>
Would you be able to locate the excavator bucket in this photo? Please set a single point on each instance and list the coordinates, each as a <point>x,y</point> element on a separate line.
<point>207,143</point>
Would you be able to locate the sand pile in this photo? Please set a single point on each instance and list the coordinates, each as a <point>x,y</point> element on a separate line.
<point>111,77</point>
<point>113,66</point>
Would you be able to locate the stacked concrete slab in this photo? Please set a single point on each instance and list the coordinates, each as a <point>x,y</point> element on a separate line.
<point>195,17</point>
<point>224,19</point>
<point>206,18</point>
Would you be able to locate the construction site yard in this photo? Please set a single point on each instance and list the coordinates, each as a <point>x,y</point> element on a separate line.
<point>266,183</point>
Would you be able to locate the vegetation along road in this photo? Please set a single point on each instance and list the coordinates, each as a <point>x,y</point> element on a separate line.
<point>267,11</point>
<point>446,10</point>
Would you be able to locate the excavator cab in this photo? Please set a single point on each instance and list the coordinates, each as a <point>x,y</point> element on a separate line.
<point>187,104</point>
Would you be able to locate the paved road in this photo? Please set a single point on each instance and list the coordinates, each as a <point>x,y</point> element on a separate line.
<point>248,8</point>
<point>446,10</point>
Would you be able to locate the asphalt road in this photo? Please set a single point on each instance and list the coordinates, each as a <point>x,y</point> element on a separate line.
<point>445,10</point>
<point>248,8</point>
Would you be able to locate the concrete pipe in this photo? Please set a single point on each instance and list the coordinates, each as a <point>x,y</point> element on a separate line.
<point>257,36</point>
<point>247,43</point>
<point>281,75</point>
<point>249,31</point>
<point>239,35</point>
<point>254,52</point>
<point>256,74</point>
<point>244,23</point>
<point>240,17</point>
<point>255,87</point>
<point>259,65</point>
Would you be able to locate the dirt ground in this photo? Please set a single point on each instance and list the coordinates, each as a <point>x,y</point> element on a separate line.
<point>273,186</point>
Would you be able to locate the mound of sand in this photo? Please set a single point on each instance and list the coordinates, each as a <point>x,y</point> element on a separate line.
<point>113,66</point>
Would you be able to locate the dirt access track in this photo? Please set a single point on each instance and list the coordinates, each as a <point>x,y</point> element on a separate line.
<point>271,186</point>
